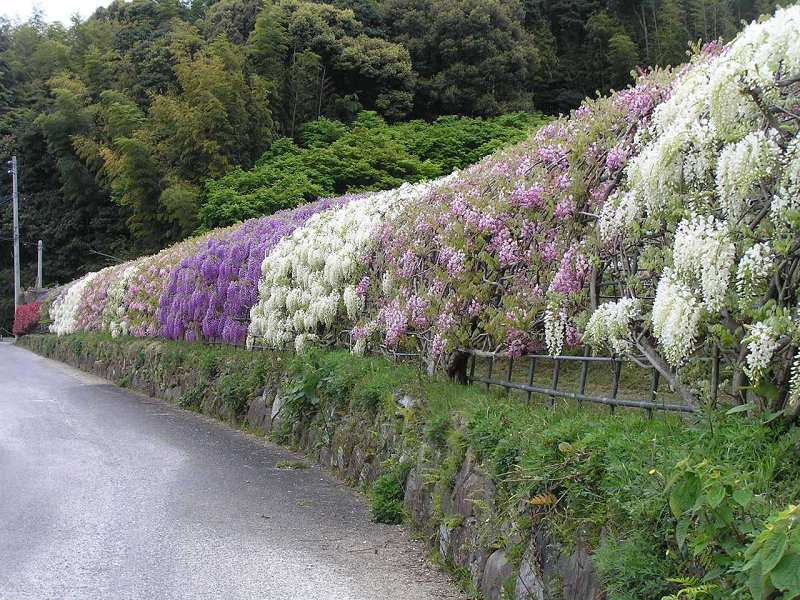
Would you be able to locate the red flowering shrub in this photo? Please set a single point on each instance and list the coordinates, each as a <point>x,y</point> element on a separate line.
<point>26,318</point>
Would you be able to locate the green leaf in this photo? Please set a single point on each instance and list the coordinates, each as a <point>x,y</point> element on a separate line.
<point>681,531</point>
<point>772,550</point>
<point>756,582</point>
<point>786,574</point>
<point>715,495</point>
<point>742,497</point>
<point>767,390</point>
<point>684,494</point>
<point>740,408</point>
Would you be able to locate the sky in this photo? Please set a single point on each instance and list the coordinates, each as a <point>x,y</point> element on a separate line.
<point>54,10</point>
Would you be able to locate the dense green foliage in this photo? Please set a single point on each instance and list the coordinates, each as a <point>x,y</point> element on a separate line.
<point>694,509</point>
<point>332,158</point>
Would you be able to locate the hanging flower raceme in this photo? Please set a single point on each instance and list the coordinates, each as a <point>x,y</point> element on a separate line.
<point>703,252</point>
<point>610,325</point>
<point>213,289</point>
<point>149,283</point>
<point>115,319</point>
<point>94,300</point>
<point>716,180</point>
<point>65,310</point>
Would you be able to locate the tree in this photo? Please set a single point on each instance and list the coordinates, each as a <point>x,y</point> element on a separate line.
<point>234,19</point>
<point>672,34</point>
<point>473,56</point>
<point>320,60</point>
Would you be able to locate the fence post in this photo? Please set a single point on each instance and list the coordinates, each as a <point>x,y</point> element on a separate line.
<point>587,351</point>
<point>715,376</point>
<point>653,392</point>
<point>530,377</point>
<point>491,368</point>
<point>615,387</point>
<point>472,369</point>
<point>509,373</point>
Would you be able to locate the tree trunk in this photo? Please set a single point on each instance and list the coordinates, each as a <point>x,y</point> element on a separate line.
<point>660,365</point>
<point>457,366</point>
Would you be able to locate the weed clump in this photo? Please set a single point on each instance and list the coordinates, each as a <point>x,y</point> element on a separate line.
<point>388,494</point>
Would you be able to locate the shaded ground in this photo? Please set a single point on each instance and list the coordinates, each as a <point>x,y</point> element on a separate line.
<point>105,493</point>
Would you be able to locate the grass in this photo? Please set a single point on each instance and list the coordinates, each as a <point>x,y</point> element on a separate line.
<point>634,383</point>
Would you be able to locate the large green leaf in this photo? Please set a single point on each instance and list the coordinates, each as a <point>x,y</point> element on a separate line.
<point>786,575</point>
<point>772,550</point>
<point>715,495</point>
<point>684,493</point>
<point>742,496</point>
<point>756,582</point>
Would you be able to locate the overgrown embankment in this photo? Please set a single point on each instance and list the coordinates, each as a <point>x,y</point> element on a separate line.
<point>527,502</point>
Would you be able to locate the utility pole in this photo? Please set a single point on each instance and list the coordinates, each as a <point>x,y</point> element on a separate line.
<point>16,230</point>
<point>39,267</point>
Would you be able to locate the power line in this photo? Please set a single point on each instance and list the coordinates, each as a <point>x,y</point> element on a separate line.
<point>120,260</point>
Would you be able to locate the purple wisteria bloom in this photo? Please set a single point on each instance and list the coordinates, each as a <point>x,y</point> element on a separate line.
<point>211,292</point>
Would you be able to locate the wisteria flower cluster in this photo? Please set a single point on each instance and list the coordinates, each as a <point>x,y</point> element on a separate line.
<point>311,278</point>
<point>497,259</point>
<point>212,290</point>
<point>716,180</point>
<point>94,300</point>
<point>148,285</point>
<point>611,324</point>
<point>65,309</point>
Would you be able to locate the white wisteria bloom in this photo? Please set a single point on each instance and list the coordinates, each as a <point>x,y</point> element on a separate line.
<point>304,341</point>
<point>700,154</point>
<point>114,318</point>
<point>754,267</point>
<point>676,318</point>
<point>610,325</point>
<point>353,303</point>
<point>783,202</point>
<point>617,215</point>
<point>761,344</point>
<point>794,382</point>
<point>711,106</point>
<point>787,198</point>
<point>703,251</point>
<point>310,277</point>
<point>555,322</point>
<point>741,166</point>
<point>65,313</point>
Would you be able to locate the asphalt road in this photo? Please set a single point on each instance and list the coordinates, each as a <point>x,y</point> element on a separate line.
<point>109,494</point>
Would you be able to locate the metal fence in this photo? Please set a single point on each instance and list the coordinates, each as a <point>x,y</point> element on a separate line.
<point>506,380</point>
